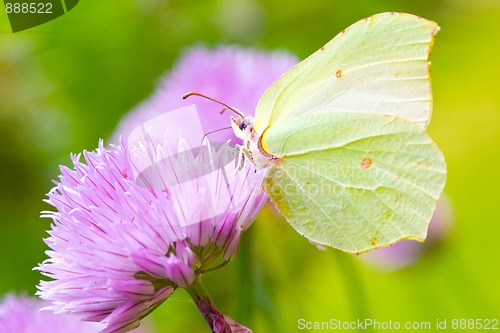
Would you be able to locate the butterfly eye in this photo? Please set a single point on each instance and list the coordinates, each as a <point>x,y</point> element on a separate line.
<point>243,124</point>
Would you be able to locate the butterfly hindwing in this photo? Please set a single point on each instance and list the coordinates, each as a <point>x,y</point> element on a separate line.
<point>354,181</point>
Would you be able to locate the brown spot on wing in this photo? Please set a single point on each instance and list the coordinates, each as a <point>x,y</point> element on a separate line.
<point>366,162</point>
<point>338,74</point>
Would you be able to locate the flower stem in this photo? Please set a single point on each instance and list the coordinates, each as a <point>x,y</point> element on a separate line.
<point>215,320</point>
<point>354,286</point>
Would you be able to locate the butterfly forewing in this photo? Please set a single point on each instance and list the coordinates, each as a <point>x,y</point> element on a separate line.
<point>377,65</point>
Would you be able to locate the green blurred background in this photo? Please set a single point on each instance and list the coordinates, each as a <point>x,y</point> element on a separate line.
<point>65,84</point>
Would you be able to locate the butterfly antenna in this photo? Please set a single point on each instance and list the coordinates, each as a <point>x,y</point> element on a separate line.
<point>193,93</point>
<point>214,131</point>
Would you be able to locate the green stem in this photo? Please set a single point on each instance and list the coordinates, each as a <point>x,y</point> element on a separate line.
<point>214,319</point>
<point>245,286</point>
<point>252,293</point>
<point>354,287</point>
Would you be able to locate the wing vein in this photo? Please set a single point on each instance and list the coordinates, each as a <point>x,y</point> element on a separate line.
<point>410,183</point>
<point>321,209</point>
<point>398,213</point>
<point>382,62</point>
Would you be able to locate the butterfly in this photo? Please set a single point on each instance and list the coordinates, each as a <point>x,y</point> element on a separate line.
<point>343,134</point>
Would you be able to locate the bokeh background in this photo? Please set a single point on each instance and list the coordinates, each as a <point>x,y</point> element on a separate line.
<point>67,83</point>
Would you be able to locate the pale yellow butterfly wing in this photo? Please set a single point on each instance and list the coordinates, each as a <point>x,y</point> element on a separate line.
<point>377,65</point>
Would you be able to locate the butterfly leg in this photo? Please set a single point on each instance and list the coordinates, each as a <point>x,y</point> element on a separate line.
<point>241,157</point>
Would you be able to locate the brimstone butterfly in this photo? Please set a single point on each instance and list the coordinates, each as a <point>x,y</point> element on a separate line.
<point>343,135</point>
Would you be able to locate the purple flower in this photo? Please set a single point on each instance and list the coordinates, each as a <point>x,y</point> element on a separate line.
<point>21,314</point>
<point>135,221</point>
<point>231,74</point>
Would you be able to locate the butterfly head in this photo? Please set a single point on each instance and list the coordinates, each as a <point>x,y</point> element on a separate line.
<point>243,127</point>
